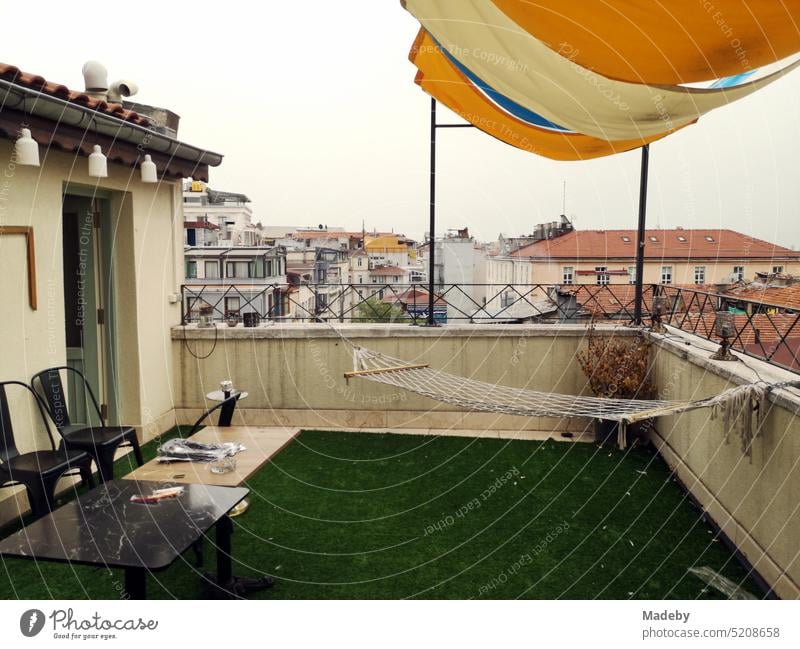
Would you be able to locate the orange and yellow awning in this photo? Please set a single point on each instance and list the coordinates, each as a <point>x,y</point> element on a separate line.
<point>489,61</point>
<point>440,78</point>
<point>669,42</point>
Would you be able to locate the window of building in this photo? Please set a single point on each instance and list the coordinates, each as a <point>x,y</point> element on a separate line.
<point>360,260</point>
<point>211,270</point>
<point>237,269</point>
<point>191,269</point>
<point>699,275</point>
<point>567,275</point>
<point>777,270</point>
<point>666,274</point>
<point>232,304</point>
<point>258,268</point>
<point>602,276</point>
<point>738,272</point>
<point>631,274</point>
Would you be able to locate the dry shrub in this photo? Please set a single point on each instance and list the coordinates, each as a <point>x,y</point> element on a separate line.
<point>618,367</point>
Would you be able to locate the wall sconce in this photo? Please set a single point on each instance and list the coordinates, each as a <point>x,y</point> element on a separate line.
<point>27,150</point>
<point>660,307</point>
<point>149,171</point>
<point>98,165</point>
<point>725,328</point>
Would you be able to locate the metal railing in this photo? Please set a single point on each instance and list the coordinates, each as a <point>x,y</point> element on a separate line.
<point>489,303</point>
<point>767,331</point>
<point>770,332</point>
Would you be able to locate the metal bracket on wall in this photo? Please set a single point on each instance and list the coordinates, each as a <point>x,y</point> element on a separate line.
<point>28,232</point>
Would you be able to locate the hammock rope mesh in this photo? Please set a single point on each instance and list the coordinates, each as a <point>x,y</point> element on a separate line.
<point>742,406</point>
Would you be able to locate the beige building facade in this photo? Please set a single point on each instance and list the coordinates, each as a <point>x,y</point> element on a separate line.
<point>99,288</point>
<point>686,257</point>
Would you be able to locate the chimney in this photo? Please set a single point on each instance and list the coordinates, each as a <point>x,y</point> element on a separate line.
<point>95,78</point>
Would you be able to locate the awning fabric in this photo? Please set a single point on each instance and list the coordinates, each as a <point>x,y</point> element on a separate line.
<point>442,78</point>
<point>676,41</point>
<point>490,45</point>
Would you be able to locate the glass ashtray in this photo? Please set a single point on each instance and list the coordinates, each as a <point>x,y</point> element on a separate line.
<point>223,465</point>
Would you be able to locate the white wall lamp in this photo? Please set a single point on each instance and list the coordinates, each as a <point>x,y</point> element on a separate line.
<point>149,171</point>
<point>98,164</point>
<point>27,150</point>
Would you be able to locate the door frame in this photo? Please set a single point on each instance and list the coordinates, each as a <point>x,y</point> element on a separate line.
<point>104,378</point>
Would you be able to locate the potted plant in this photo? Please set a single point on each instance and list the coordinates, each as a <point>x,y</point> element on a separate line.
<point>618,367</point>
<point>206,318</point>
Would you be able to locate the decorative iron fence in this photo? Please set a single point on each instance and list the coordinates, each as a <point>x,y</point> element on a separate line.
<point>487,303</point>
<point>767,331</point>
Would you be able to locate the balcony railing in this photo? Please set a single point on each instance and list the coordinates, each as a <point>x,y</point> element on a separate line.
<point>767,331</point>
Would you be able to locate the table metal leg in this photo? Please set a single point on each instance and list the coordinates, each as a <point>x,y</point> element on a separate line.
<point>136,583</point>
<point>224,583</point>
<point>224,561</point>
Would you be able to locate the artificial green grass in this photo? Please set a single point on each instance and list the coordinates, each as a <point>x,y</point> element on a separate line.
<point>339,515</point>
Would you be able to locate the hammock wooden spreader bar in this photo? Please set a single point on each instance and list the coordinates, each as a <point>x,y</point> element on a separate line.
<point>742,407</point>
<point>381,370</point>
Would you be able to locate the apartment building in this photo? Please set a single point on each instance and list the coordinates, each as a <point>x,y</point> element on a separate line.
<point>236,280</point>
<point>677,256</point>
<point>217,218</point>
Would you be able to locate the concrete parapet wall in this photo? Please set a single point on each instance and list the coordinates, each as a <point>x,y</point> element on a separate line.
<point>294,373</point>
<point>754,500</point>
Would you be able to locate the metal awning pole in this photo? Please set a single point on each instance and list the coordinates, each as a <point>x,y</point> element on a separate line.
<point>432,226</point>
<point>640,237</point>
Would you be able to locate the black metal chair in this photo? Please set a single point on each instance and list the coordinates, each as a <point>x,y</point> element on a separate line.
<point>101,442</point>
<point>38,471</point>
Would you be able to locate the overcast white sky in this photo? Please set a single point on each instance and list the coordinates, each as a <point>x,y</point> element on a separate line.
<point>314,107</point>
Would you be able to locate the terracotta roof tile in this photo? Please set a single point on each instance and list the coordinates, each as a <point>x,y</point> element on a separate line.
<point>414,297</point>
<point>203,225</point>
<point>761,328</point>
<point>35,82</point>
<point>784,296</point>
<point>618,299</point>
<point>681,244</point>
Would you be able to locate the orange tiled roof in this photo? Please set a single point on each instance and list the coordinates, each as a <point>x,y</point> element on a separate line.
<point>203,225</point>
<point>785,296</point>
<point>35,82</point>
<point>613,299</point>
<point>762,328</point>
<point>621,244</point>
<point>414,297</point>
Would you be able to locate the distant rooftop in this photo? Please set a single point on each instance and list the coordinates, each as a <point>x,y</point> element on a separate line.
<point>677,243</point>
<point>219,198</point>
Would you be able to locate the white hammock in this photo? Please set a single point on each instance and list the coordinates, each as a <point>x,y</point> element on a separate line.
<point>742,406</point>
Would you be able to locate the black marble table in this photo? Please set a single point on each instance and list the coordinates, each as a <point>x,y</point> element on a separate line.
<point>104,528</point>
